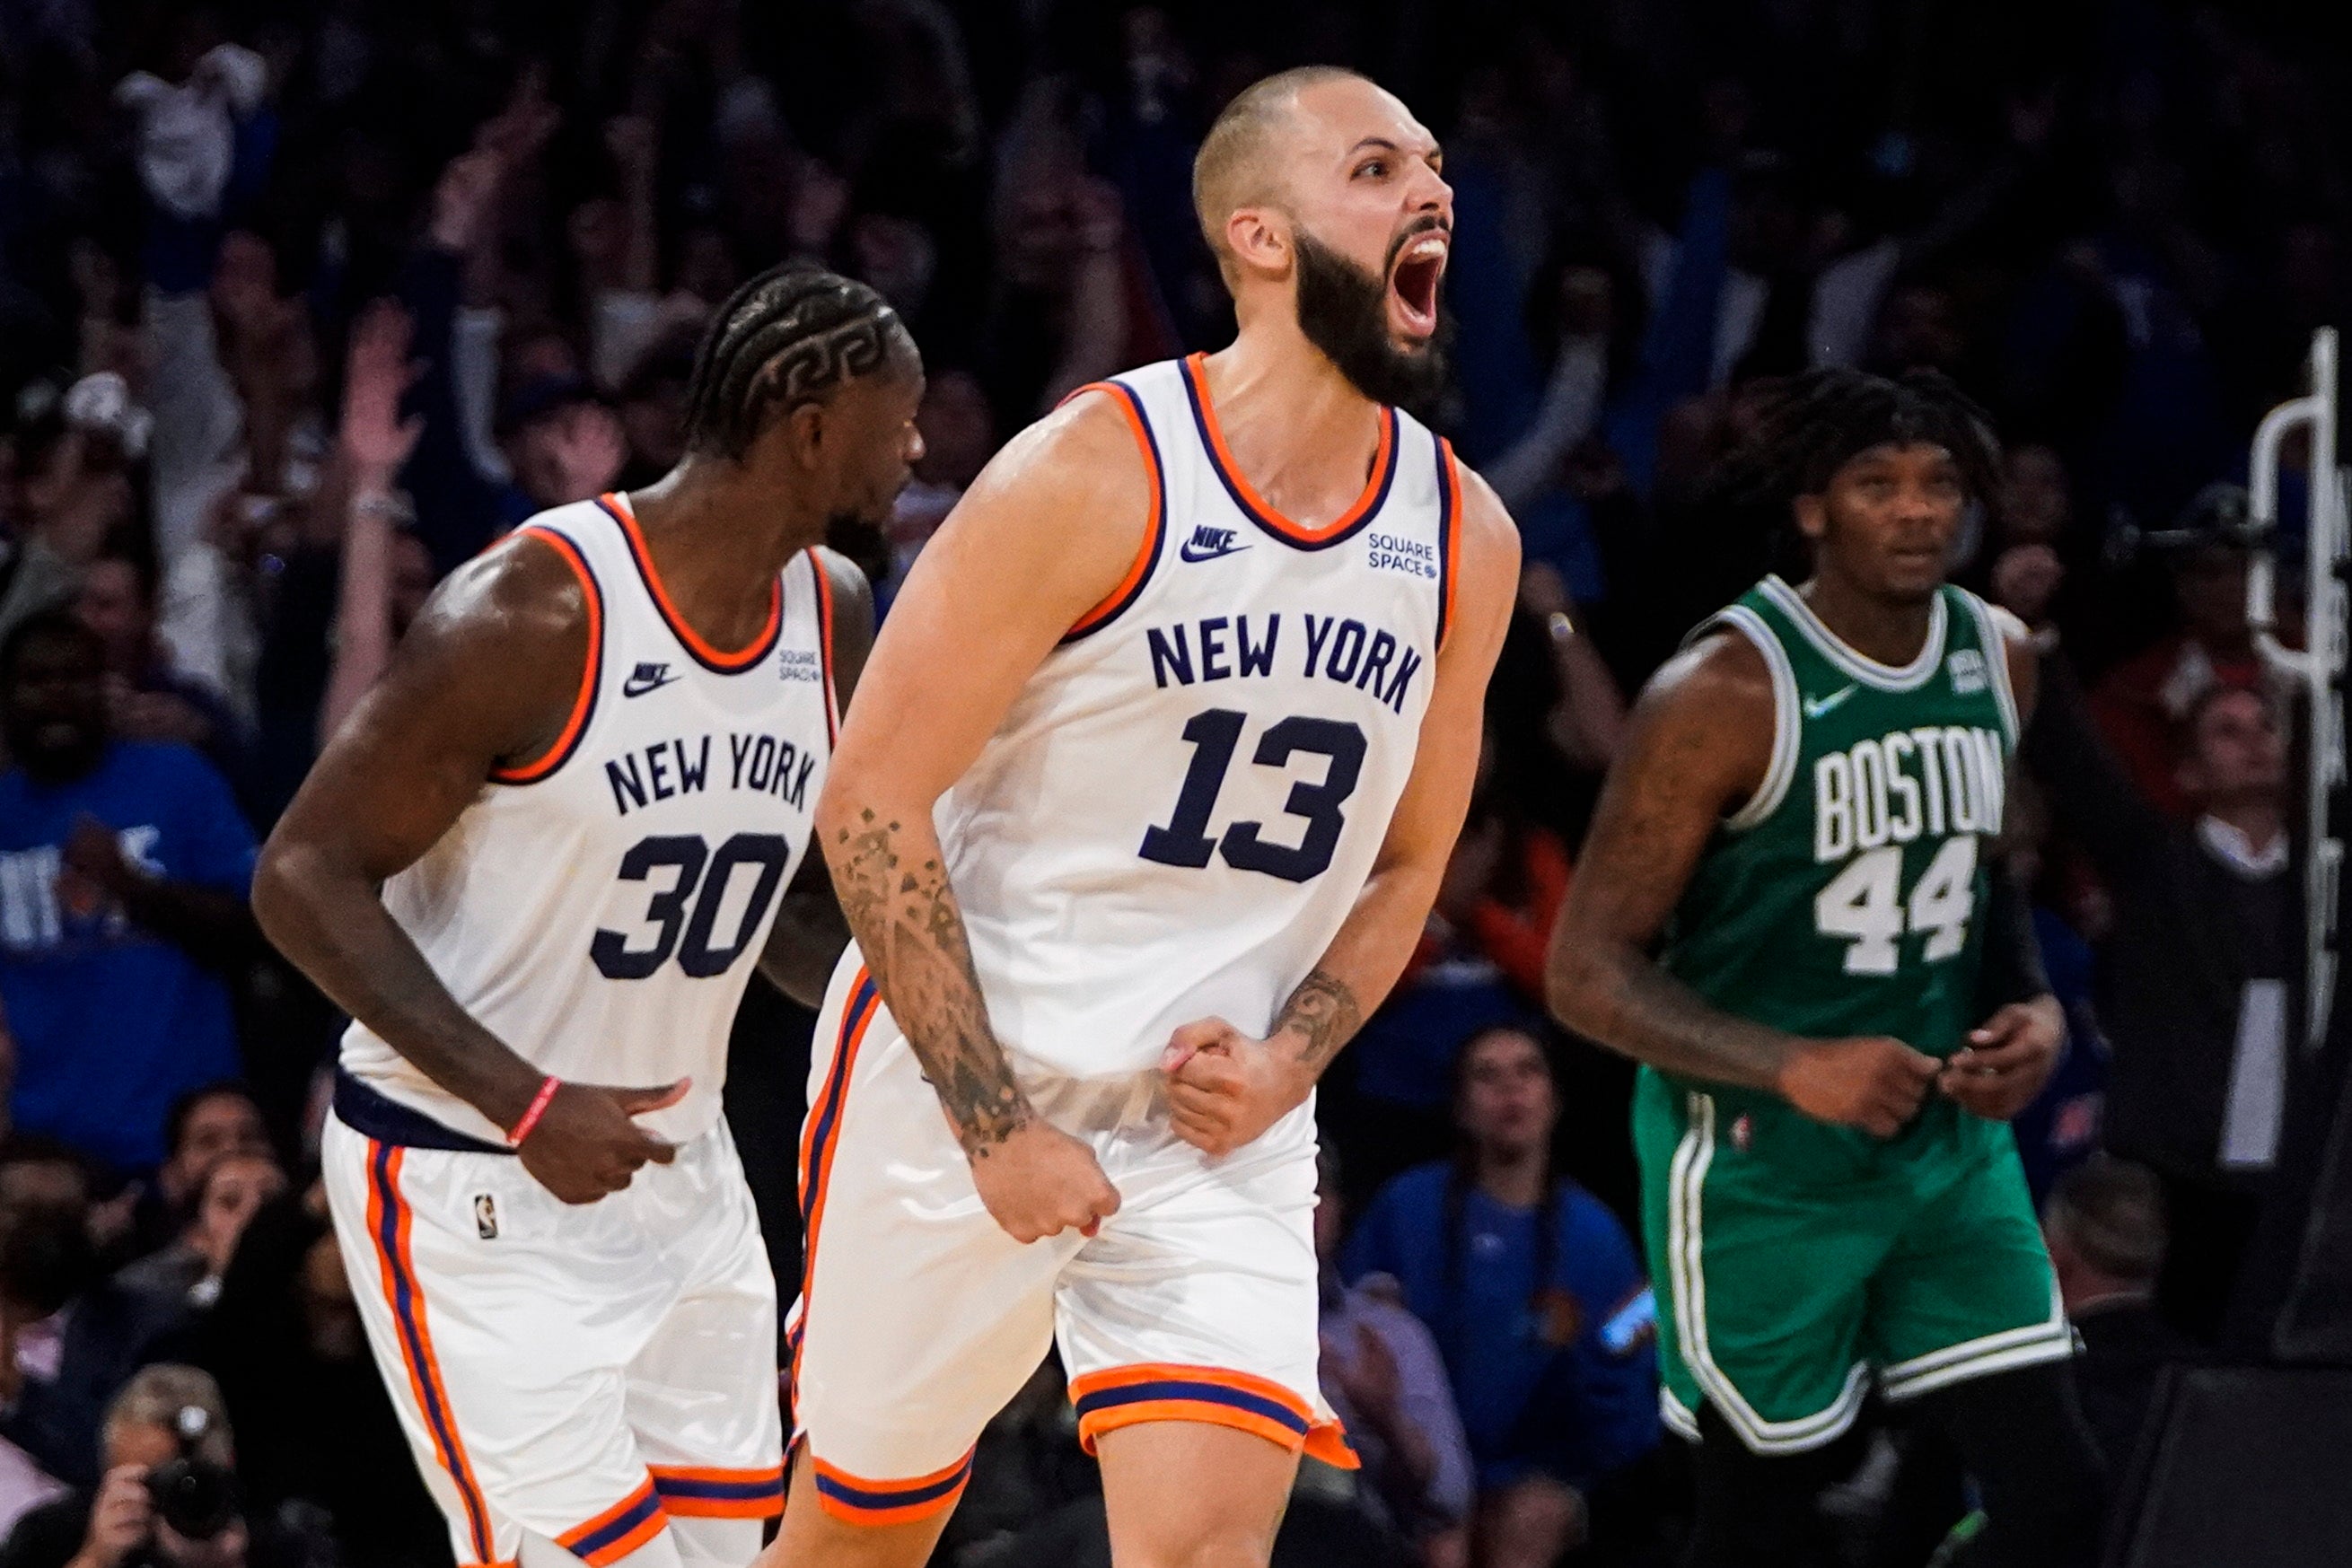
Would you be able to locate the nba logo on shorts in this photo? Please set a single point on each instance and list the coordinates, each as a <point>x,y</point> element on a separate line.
<point>485,1217</point>
<point>1743,1133</point>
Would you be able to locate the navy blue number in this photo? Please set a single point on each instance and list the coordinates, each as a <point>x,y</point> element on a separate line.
<point>688,856</point>
<point>614,959</point>
<point>769,852</point>
<point>1185,840</point>
<point>1214,734</point>
<point>1310,857</point>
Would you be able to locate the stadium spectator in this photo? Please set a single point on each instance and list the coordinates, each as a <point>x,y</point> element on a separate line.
<point>1386,1381</point>
<point>2193,982</point>
<point>166,1413</point>
<point>316,1432</point>
<point>207,1125</point>
<point>2143,705</point>
<point>2104,1225</point>
<point>1537,1298</point>
<point>123,867</point>
<point>1479,965</point>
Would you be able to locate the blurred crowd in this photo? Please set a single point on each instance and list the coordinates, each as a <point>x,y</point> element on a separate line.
<point>301,304</point>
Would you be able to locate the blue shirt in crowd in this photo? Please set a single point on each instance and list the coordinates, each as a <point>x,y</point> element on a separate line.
<point>112,1022</point>
<point>1565,1379</point>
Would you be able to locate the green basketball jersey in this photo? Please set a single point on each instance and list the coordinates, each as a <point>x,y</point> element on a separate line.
<point>1843,898</point>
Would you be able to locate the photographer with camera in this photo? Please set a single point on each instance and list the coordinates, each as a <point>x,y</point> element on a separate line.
<point>169,1496</point>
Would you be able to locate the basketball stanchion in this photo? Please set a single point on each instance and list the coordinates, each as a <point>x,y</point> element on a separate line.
<point>2316,669</point>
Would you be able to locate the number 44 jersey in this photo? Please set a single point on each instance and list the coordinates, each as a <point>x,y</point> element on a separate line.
<point>1844,897</point>
<point>1182,806</point>
<point>600,907</point>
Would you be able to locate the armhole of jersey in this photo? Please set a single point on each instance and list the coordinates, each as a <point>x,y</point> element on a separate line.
<point>1147,558</point>
<point>823,582</point>
<point>1996,652</point>
<point>1786,729</point>
<point>1449,535</point>
<point>583,704</point>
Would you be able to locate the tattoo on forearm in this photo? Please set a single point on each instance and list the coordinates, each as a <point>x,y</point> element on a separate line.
<point>1324,1013</point>
<point>911,933</point>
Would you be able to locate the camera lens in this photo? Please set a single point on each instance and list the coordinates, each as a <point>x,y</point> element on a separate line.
<point>195,1497</point>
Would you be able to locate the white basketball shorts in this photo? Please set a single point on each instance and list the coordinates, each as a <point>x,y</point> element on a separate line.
<point>919,1318</point>
<point>584,1373</point>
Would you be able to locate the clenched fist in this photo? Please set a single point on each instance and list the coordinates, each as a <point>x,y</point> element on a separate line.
<point>1872,1081</point>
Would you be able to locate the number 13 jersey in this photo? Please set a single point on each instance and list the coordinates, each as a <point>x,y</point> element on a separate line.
<point>1182,806</point>
<point>600,908</point>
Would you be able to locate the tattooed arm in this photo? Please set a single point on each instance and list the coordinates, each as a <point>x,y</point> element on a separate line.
<point>1225,1088</point>
<point>1697,747</point>
<point>1004,577</point>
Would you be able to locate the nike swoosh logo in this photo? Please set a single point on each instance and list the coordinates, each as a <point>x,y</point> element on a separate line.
<point>1194,553</point>
<point>1816,706</point>
<point>635,687</point>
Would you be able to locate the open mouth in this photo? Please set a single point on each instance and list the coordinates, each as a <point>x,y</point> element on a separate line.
<point>1413,281</point>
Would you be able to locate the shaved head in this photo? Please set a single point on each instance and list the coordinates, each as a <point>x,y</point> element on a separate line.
<point>1239,164</point>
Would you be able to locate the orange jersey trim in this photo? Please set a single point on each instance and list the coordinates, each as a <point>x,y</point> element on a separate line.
<point>583,704</point>
<point>820,1137</point>
<point>853,1500</point>
<point>1449,536</point>
<point>388,1221</point>
<point>619,1530</point>
<point>1158,1390</point>
<point>1255,505</point>
<point>1146,555</point>
<point>824,643</point>
<point>702,1491</point>
<point>711,658</point>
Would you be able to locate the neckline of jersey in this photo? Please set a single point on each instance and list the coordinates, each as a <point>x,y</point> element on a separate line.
<point>718,661</point>
<point>1852,661</point>
<point>1254,506</point>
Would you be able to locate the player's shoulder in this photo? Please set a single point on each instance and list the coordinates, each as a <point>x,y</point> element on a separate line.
<point>1487,531</point>
<point>1719,669</point>
<point>528,592</point>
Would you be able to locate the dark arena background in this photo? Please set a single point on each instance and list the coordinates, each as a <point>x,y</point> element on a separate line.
<point>303,304</point>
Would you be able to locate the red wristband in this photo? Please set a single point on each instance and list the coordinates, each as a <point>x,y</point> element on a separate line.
<point>539,1102</point>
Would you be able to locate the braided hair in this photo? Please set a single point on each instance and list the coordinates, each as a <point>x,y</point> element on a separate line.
<point>788,337</point>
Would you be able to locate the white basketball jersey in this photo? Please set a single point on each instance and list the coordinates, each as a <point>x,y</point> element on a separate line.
<point>600,910</point>
<point>1184,803</point>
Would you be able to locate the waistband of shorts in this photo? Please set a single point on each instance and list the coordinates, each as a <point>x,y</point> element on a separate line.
<point>373,1113</point>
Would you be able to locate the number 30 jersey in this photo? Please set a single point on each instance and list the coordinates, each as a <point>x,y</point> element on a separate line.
<point>600,908</point>
<point>1180,808</point>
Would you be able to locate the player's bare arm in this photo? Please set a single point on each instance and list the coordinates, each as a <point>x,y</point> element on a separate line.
<point>1697,745</point>
<point>1043,534</point>
<point>1226,1089</point>
<point>2009,1057</point>
<point>809,933</point>
<point>486,676</point>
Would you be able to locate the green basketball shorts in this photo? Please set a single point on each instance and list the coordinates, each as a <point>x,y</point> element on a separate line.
<point>1793,1261</point>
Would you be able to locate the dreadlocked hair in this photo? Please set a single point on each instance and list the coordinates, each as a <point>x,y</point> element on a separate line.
<point>788,337</point>
<point>1813,425</point>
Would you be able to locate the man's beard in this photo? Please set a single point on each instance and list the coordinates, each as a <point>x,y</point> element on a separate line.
<point>1343,310</point>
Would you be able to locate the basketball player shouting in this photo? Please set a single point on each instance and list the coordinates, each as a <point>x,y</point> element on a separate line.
<point>541,859</point>
<point>1149,794</point>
